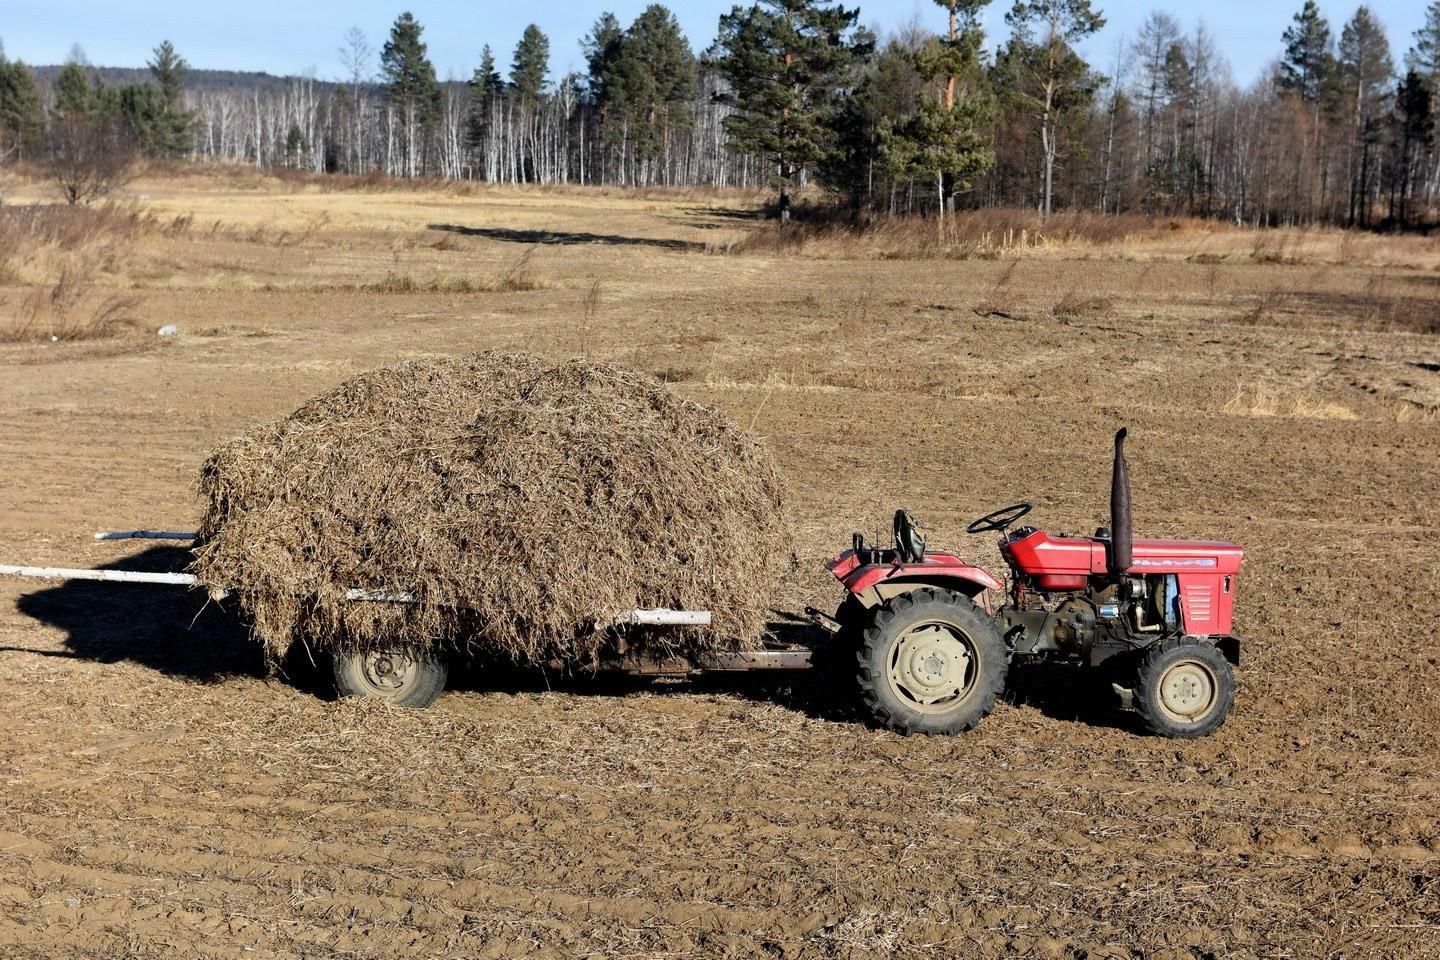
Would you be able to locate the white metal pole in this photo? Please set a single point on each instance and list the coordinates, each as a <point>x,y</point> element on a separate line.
<point>114,576</point>
<point>143,535</point>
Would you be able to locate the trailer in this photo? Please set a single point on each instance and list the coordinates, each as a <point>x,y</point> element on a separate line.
<point>406,680</point>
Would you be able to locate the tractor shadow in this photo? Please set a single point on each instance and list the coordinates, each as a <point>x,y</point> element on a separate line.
<point>1065,692</point>
<point>170,629</point>
<point>566,238</point>
<point>820,693</point>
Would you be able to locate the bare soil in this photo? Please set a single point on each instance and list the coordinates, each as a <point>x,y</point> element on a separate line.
<point>163,797</point>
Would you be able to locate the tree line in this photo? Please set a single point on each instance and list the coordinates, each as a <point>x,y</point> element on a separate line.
<point>795,93</point>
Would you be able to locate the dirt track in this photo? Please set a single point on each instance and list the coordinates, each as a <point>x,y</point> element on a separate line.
<point>162,798</point>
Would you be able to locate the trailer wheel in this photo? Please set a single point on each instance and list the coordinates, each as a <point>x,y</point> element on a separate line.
<point>931,662</point>
<point>401,678</point>
<point>1184,688</point>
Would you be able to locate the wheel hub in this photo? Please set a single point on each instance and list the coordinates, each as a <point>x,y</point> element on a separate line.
<point>931,664</point>
<point>1188,691</point>
<point>387,672</point>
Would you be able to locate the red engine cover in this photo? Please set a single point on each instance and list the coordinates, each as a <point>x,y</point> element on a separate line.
<point>1205,570</point>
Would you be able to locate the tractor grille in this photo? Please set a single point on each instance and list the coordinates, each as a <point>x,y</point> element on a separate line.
<point>1198,602</point>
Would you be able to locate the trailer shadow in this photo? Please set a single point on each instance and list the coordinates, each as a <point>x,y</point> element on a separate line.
<point>170,629</point>
<point>820,693</point>
<point>799,691</point>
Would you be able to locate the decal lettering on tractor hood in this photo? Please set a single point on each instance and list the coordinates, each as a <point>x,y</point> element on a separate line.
<point>1174,561</point>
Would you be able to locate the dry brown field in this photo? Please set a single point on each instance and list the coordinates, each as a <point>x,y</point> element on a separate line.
<point>163,797</point>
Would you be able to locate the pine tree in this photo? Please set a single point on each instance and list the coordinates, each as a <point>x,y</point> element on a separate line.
<point>21,121</point>
<point>486,81</point>
<point>653,80</point>
<point>1055,79</point>
<point>1365,68</point>
<point>410,84</point>
<point>862,164</point>
<point>1424,57</point>
<point>1309,64</point>
<point>601,47</point>
<point>170,134</point>
<point>74,95</point>
<point>1424,60</point>
<point>1415,122</point>
<point>486,87</point>
<point>942,140</point>
<point>531,65</point>
<point>296,146</point>
<point>145,115</point>
<point>785,62</point>
<point>946,146</point>
<point>960,44</point>
<point>169,69</point>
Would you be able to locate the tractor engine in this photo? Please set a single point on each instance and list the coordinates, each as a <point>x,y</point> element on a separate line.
<point>1089,598</point>
<point>1092,624</point>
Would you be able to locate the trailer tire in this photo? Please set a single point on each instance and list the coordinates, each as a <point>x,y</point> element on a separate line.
<point>404,679</point>
<point>1184,688</point>
<point>932,662</point>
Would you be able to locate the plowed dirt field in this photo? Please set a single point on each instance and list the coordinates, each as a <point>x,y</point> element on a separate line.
<point>160,796</point>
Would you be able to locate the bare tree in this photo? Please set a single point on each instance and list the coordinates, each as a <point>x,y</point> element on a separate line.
<point>88,157</point>
<point>355,57</point>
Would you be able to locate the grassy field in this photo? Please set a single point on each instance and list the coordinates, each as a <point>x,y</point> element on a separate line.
<point>163,797</point>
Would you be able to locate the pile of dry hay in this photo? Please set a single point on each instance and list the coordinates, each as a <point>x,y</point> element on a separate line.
<point>525,505</point>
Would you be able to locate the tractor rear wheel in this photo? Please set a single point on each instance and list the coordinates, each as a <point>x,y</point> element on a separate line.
<point>931,662</point>
<point>404,679</point>
<point>1184,688</point>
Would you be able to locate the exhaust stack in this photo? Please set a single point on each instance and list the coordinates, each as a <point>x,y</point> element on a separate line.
<point>1121,541</point>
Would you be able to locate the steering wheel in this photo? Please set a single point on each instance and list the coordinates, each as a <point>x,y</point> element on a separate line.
<point>1000,519</point>
<point>909,541</point>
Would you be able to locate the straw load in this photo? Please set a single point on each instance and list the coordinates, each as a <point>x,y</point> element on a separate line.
<point>522,505</point>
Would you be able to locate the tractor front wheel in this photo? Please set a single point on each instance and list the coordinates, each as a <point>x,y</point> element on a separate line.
<point>931,662</point>
<point>1184,688</point>
<point>404,679</point>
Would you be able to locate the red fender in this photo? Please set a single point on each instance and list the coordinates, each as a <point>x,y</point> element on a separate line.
<point>937,569</point>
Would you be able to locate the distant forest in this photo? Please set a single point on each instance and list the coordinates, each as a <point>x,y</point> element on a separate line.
<point>794,93</point>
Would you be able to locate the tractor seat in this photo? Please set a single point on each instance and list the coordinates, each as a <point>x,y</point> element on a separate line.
<point>1102,533</point>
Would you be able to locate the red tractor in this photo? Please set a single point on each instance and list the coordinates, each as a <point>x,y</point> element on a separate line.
<point>934,647</point>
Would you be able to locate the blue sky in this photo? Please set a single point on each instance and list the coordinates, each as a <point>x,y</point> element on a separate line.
<point>289,38</point>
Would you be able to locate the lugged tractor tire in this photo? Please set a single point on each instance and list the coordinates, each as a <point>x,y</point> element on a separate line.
<point>403,679</point>
<point>1184,688</point>
<point>932,662</point>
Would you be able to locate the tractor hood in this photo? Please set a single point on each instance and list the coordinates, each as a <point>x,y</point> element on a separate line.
<point>1039,553</point>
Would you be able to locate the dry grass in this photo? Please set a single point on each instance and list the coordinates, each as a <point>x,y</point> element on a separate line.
<point>1264,401</point>
<point>40,242</point>
<point>70,309</point>
<point>515,278</point>
<point>1415,413</point>
<point>228,177</point>
<point>976,234</point>
<point>1077,305</point>
<point>827,233</point>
